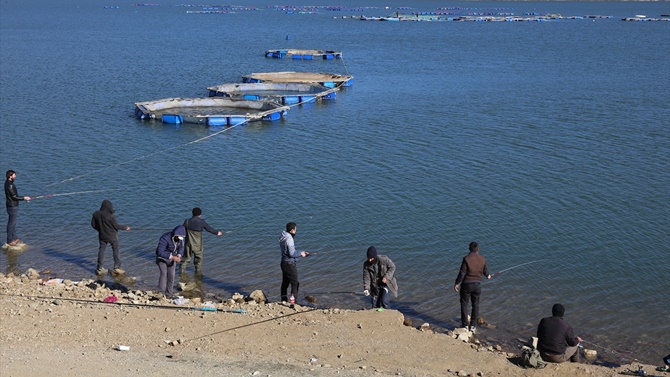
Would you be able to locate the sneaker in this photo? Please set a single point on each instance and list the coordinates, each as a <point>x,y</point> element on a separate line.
<point>473,329</point>
<point>118,271</point>
<point>101,271</point>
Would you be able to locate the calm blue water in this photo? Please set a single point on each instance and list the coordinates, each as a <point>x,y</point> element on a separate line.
<point>546,142</point>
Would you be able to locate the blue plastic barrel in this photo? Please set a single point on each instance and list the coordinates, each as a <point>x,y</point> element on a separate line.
<point>272,117</point>
<point>234,120</point>
<point>252,97</point>
<point>308,57</point>
<point>328,56</point>
<point>329,84</point>
<point>307,99</point>
<point>330,95</point>
<point>172,119</point>
<point>289,100</point>
<point>297,56</point>
<point>217,121</point>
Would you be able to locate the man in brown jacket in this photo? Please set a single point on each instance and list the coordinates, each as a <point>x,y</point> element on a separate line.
<point>469,278</point>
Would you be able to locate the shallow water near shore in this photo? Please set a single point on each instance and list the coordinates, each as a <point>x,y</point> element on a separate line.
<point>546,142</point>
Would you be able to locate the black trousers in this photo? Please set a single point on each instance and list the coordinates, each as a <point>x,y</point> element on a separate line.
<point>470,294</point>
<point>289,272</point>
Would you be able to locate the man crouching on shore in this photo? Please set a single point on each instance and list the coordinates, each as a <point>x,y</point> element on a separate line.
<point>556,340</point>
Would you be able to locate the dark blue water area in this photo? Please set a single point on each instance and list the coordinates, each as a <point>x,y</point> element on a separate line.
<point>546,142</point>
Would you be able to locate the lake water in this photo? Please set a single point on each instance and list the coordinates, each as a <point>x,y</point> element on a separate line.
<point>546,142</point>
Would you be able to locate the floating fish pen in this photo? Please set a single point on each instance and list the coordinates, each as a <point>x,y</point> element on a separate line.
<point>211,111</point>
<point>284,93</point>
<point>303,54</point>
<point>328,80</point>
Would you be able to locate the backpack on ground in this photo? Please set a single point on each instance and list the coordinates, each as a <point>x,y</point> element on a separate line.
<point>530,358</point>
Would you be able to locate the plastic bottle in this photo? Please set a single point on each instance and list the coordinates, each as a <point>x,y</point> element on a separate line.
<point>292,299</point>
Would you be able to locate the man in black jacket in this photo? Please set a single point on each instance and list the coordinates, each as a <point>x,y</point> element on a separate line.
<point>12,199</point>
<point>556,341</point>
<point>105,223</point>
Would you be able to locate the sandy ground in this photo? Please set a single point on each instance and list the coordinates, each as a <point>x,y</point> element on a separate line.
<point>65,329</point>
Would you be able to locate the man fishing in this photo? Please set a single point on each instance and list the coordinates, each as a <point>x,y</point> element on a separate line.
<point>289,257</point>
<point>469,278</point>
<point>12,199</point>
<point>104,221</point>
<point>556,340</point>
<point>194,247</point>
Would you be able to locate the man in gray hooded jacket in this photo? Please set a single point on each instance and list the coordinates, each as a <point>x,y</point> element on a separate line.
<point>379,279</point>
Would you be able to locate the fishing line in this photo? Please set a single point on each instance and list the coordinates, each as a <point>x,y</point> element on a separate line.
<point>204,308</point>
<point>621,355</point>
<point>152,154</point>
<point>513,267</point>
<point>162,150</point>
<point>346,70</point>
<point>70,193</point>
<point>252,324</point>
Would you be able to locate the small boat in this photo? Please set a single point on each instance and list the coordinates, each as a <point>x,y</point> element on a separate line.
<point>328,80</point>
<point>286,93</point>
<point>303,54</point>
<point>211,111</point>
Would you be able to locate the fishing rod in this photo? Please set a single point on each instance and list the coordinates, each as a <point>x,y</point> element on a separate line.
<point>202,308</point>
<point>69,193</point>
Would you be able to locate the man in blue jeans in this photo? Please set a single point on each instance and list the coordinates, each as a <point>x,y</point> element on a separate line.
<point>473,268</point>
<point>12,199</point>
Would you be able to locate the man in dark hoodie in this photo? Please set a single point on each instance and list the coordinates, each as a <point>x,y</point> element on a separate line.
<point>473,268</point>
<point>379,279</point>
<point>105,223</point>
<point>556,340</point>
<point>168,253</point>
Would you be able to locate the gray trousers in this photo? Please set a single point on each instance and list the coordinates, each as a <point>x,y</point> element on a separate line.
<point>166,278</point>
<point>569,352</point>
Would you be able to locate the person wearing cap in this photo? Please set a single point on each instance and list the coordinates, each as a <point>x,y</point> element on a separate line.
<point>104,221</point>
<point>12,200</point>
<point>194,247</point>
<point>379,280</point>
<point>168,253</point>
<point>289,257</point>
<point>556,340</point>
<point>469,278</point>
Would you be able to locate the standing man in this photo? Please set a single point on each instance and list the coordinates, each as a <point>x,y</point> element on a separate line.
<point>105,223</point>
<point>555,338</point>
<point>473,268</point>
<point>12,199</point>
<point>194,248</point>
<point>289,257</point>
<point>379,279</point>
<point>168,253</point>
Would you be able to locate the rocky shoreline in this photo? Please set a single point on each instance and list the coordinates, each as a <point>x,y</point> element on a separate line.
<point>241,335</point>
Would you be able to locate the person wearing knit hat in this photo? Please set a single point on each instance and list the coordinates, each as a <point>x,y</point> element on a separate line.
<point>556,340</point>
<point>379,280</point>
